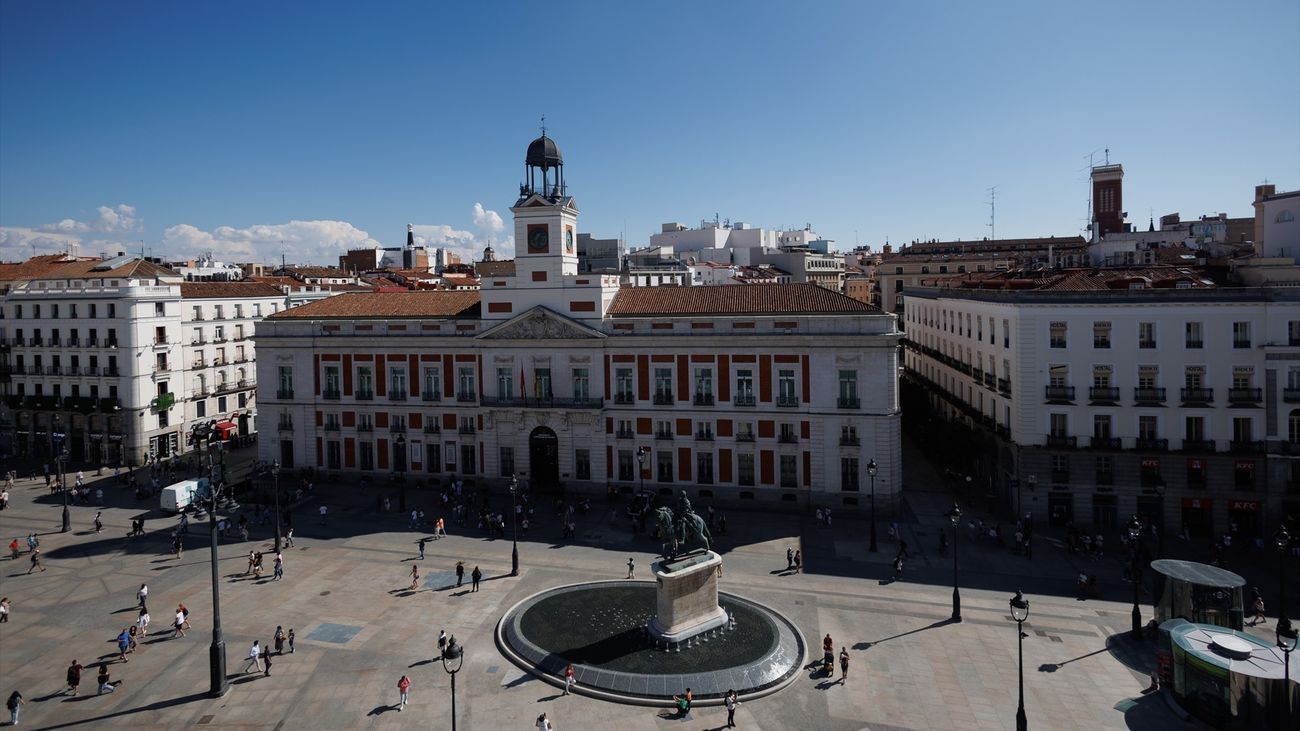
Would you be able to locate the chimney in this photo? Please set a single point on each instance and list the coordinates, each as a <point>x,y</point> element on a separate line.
<point>410,236</point>
<point>1261,192</point>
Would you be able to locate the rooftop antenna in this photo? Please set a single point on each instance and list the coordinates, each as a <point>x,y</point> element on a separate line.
<point>1107,155</point>
<point>993,213</point>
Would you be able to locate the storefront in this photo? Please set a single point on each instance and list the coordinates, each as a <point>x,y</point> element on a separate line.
<point>1198,517</point>
<point>1244,518</point>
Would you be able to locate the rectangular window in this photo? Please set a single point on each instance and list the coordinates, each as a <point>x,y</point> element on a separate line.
<point>397,384</point>
<point>1148,428</point>
<point>745,469</point>
<point>432,390</point>
<point>744,387</point>
<point>848,389</point>
<point>1148,375</point>
<point>505,383</point>
<point>365,383</point>
<point>663,385</point>
<point>542,383</point>
<point>468,459</point>
<point>581,384</point>
<point>1101,334</point>
<point>1056,333</point>
<point>1243,429</point>
<point>703,386</point>
<point>1194,376</point>
<point>664,465</point>
<point>785,388</point>
<point>623,385</point>
<point>582,464</point>
<point>704,468</point>
<point>849,474</point>
<point>1241,334</point>
<point>789,471</point>
<point>626,465</point>
<point>1194,338</point>
<point>506,460</point>
<point>1058,376</point>
<point>1146,335</point>
<point>1101,426</point>
<point>465,381</point>
<point>1195,426</point>
<point>1059,425</point>
<point>1006,333</point>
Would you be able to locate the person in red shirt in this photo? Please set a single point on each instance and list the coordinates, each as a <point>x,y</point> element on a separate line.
<point>403,686</point>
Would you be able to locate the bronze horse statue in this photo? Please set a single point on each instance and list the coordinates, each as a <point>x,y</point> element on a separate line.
<point>682,529</point>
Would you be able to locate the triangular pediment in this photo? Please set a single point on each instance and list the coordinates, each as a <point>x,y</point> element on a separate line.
<point>537,200</point>
<point>540,323</point>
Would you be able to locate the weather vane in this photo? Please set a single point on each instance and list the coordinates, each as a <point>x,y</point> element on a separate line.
<point>543,125</point>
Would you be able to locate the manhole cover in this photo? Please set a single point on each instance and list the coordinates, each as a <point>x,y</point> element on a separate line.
<point>325,593</point>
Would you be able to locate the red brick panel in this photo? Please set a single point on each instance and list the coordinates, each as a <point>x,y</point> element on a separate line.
<point>766,429</point>
<point>765,378</point>
<point>724,378</point>
<point>724,466</point>
<point>381,376</point>
<point>347,375</point>
<point>449,377</point>
<point>416,420</point>
<point>807,388</point>
<point>805,430</point>
<point>449,422</point>
<point>413,374</point>
<point>724,427</point>
<point>582,306</point>
<point>500,307</point>
<point>381,454</point>
<point>684,464</point>
<point>683,427</point>
<point>683,378</point>
<point>643,425</point>
<point>609,462</point>
<point>381,420</point>
<point>350,453</point>
<point>765,459</point>
<point>609,394</point>
<point>643,377</point>
<point>349,418</point>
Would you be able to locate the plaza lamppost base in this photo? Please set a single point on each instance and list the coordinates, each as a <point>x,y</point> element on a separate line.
<point>1022,724</point>
<point>67,518</point>
<point>217,666</point>
<point>514,561</point>
<point>956,605</point>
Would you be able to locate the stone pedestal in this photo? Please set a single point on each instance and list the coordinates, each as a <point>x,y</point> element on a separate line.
<point>687,597</point>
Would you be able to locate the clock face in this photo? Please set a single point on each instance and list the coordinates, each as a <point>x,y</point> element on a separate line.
<point>568,240</point>
<point>538,239</point>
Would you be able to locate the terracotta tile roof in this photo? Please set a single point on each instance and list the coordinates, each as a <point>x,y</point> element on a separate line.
<point>383,305</point>
<point>762,299</point>
<point>316,271</point>
<point>299,286</point>
<point>460,280</point>
<point>59,266</point>
<point>495,268</point>
<point>1080,280</point>
<point>205,290</point>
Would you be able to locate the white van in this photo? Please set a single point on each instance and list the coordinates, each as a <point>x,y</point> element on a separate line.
<point>183,494</point>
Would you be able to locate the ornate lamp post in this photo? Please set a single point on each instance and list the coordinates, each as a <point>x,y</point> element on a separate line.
<point>1134,534</point>
<point>452,658</point>
<point>60,454</point>
<point>1019,613</point>
<point>871,471</point>
<point>217,652</point>
<point>1283,540</point>
<point>514,526</point>
<point>640,462</point>
<point>1286,641</point>
<point>955,516</point>
<point>275,472</point>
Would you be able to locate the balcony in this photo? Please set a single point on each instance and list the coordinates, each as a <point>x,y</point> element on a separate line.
<point>663,435</point>
<point>1104,478</point>
<point>787,401</point>
<point>331,395</point>
<point>1149,395</point>
<point>467,429</point>
<point>703,436</point>
<point>1105,442</point>
<point>92,342</point>
<point>703,399</point>
<point>1061,441</point>
<point>366,395</point>
<point>397,428</point>
<point>366,426</point>
<point>663,398</point>
<point>1151,445</point>
<point>1198,445</point>
<point>746,399</point>
<point>850,441</point>
<point>432,428</point>
<point>74,342</point>
<point>35,342</point>
<point>1103,394</point>
<point>745,437</point>
<point>788,438</point>
<point>1245,395</point>
<point>333,426</point>
<point>55,343</point>
<point>198,341</point>
<point>1195,344</point>
<point>161,342</point>
<point>431,396</point>
<point>1059,394</point>
<point>624,434</point>
<point>198,364</point>
<point>978,375</point>
<point>1291,395</point>
<point>284,393</point>
<point>1061,477</point>
<point>1246,447</point>
<point>396,395</point>
<point>1004,386</point>
<point>467,397</point>
<point>848,402</point>
<point>110,343</point>
<point>285,425</point>
<point>1197,395</point>
<point>990,380</point>
<point>623,398</point>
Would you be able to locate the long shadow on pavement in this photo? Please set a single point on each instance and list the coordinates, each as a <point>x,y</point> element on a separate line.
<point>155,706</point>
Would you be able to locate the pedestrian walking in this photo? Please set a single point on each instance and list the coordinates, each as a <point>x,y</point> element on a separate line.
<point>254,657</point>
<point>142,622</point>
<point>543,724</point>
<point>279,567</point>
<point>132,633</point>
<point>4,610</point>
<point>324,511</point>
<point>403,687</point>
<point>789,559</point>
<point>178,545</point>
<point>15,703</point>
<point>105,684</point>
<point>442,643</point>
<point>36,561</point>
<point>99,521</point>
<point>798,561</point>
<point>415,578</point>
<point>421,544</point>
<point>266,658</point>
<point>475,576</point>
<point>13,549</point>
<point>460,573</point>
<point>291,637</point>
<point>74,677</point>
<point>178,625</point>
<point>898,568</point>
<point>184,611</point>
<point>440,529</point>
<point>844,664</point>
<point>731,702</point>
<point>568,678</point>
<point>142,595</point>
<point>1258,609</point>
<point>123,645</point>
<point>631,568</point>
<point>279,639</point>
<point>288,537</point>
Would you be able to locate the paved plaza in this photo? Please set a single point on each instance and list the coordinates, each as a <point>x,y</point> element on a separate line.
<point>359,628</point>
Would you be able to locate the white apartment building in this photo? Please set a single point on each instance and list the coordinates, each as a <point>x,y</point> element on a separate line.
<point>94,356</point>
<point>1099,394</point>
<point>777,394</point>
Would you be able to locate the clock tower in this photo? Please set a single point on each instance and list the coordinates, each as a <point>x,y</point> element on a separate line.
<point>546,218</point>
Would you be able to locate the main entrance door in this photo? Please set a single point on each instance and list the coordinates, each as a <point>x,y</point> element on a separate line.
<point>544,459</point>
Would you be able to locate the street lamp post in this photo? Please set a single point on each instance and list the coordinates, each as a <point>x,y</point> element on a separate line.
<point>217,652</point>
<point>1135,533</point>
<point>1158,522</point>
<point>451,662</point>
<point>1283,541</point>
<point>275,472</point>
<point>955,516</point>
<point>59,455</point>
<point>1019,613</point>
<point>640,462</point>
<point>1286,642</point>
<point>399,461</point>
<point>514,526</point>
<point>871,471</point>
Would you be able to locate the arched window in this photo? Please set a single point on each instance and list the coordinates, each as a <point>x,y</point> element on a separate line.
<point>1293,427</point>
<point>1284,217</point>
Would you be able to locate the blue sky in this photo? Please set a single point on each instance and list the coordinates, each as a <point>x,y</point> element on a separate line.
<point>234,126</point>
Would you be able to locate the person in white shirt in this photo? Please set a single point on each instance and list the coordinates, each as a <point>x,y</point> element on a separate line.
<point>142,594</point>
<point>254,657</point>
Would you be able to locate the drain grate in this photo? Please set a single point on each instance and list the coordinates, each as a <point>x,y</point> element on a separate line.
<point>205,720</point>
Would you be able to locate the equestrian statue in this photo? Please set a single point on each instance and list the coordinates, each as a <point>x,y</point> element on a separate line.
<point>681,527</point>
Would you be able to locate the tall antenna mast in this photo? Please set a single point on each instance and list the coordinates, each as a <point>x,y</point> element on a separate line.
<point>993,212</point>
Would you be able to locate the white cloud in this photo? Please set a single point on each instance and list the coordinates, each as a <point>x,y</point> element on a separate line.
<point>19,244</point>
<point>110,219</point>
<point>301,242</point>
<point>489,222</point>
<point>467,244</point>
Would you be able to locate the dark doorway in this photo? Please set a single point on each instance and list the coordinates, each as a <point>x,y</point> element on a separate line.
<point>544,460</point>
